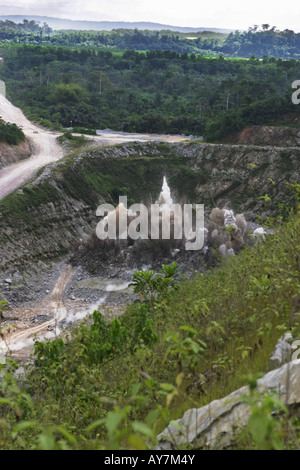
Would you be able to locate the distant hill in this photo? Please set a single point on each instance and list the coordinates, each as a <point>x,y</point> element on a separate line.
<point>58,23</point>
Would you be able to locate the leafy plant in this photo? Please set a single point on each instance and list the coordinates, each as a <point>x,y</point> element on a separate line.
<point>48,353</point>
<point>185,349</point>
<point>151,285</point>
<point>266,424</point>
<point>3,308</point>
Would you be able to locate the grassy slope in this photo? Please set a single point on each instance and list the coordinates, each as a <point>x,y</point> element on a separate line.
<point>239,310</point>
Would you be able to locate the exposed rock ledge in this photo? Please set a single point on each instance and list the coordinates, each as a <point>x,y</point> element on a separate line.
<point>13,153</point>
<point>214,425</point>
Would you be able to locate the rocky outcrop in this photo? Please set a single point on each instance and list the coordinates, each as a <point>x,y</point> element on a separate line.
<point>282,352</point>
<point>267,135</point>
<point>216,424</point>
<point>13,153</point>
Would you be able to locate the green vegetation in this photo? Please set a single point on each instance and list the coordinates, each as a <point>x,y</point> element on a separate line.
<point>264,41</point>
<point>151,285</point>
<point>136,177</point>
<point>110,386</point>
<point>82,130</point>
<point>73,141</point>
<point>153,91</point>
<point>10,133</point>
<point>16,205</point>
<point>10,30</point>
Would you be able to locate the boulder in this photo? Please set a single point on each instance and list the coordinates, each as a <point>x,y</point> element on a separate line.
<point>215,425</point>
<point>282,352</point>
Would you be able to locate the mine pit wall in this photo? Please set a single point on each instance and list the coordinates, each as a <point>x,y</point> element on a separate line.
<point>46,219</point>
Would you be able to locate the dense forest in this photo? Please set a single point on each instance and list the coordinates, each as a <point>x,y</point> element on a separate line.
<point>267,41</point>
<point>256,41</point>
<point>153,91</point>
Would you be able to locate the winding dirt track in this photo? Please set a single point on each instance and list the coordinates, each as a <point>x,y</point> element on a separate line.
<point>52,305</point>
<point>45,149</point>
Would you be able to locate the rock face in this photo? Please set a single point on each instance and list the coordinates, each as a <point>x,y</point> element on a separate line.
<point>267,135</point>
<point>214,425</point>
<point>13,153</point>
<point>282,352</point>
<point>46,219</point>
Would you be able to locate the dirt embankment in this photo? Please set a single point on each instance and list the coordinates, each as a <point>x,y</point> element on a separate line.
<point>14,153</point>
<point>267,135</point>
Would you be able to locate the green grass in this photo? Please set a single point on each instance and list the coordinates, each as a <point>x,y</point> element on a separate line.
<point>247,302</point>
<point>18,204</point>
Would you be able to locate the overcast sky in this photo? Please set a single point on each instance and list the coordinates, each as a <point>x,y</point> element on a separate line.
<point>232,14</point>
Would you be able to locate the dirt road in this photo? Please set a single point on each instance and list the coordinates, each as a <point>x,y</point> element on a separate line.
<point>45,149</point>
<point>107,137</point>
<point>52,305</point>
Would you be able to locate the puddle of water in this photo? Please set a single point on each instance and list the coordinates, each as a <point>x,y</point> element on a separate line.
<point>72,316</point>
<point>116,286</point>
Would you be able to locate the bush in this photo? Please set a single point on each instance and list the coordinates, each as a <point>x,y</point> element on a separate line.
<point>11,134</point>
<point>83,130</point>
